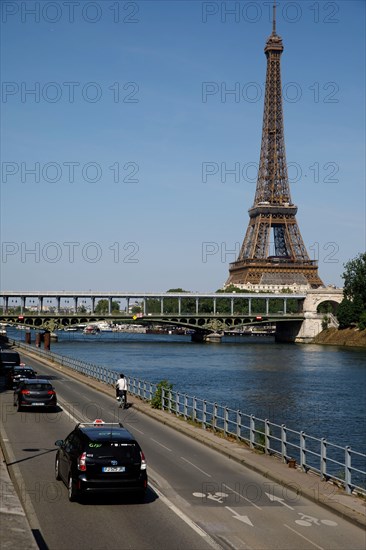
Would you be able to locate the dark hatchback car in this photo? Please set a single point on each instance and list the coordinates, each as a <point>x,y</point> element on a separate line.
<point>18,374</point>
<point>35,393</point>
<point>101,457</point>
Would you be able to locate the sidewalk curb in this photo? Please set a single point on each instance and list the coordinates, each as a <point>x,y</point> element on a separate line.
<point>16,531</point>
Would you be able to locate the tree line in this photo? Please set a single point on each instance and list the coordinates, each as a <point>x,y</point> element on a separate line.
<point>352,310</point>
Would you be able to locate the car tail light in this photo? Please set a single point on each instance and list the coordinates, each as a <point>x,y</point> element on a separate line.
<point>25,392</point>
<point>82,462</point>
<point>143,461</point>
<point>50,392</point>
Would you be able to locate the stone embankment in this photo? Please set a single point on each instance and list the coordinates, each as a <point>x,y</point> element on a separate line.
<point>346,337</point>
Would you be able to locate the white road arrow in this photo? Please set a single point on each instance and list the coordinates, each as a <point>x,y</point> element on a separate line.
<point>244,519</point>
<point>273,498</point>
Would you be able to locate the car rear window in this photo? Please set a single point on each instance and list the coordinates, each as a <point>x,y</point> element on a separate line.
<point>117,449</point>
<point>9,356</point>
<point>38,387</point>
<point>26,372</point>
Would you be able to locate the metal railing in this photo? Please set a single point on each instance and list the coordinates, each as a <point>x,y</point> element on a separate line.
<point>332,462</point>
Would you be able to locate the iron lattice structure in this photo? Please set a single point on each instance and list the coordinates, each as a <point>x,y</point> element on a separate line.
<point>273,251</point>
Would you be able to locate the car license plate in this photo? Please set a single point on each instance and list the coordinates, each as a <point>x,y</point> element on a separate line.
<point>38,404</point>
<point>113,469</point>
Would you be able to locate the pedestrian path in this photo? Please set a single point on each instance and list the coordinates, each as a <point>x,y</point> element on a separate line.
<point>15,531</point>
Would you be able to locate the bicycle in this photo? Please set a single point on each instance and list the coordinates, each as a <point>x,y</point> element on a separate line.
<point>122,400</point>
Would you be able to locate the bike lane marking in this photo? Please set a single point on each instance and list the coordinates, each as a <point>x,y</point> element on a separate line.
<point>187,520</point>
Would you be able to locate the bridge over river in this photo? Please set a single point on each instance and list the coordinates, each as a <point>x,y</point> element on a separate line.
<point>296,315</point>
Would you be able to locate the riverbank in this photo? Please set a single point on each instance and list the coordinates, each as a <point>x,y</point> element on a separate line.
<point>352,337</point>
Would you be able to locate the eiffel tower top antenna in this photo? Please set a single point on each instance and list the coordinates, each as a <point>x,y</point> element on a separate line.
<point>274,18</point>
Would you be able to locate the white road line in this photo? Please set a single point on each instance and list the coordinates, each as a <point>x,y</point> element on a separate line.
<point>132,426</point>
<point>187,520</point>
<point>161,445</point>
<point>64,405</point>
<point>194,466</point>
<point>302,536</point>
<point>247,499</point>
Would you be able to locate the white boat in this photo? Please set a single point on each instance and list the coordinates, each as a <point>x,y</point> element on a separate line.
<point>103,326</point>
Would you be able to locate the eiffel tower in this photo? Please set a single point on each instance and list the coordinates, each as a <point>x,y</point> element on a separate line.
<point>273,252</point>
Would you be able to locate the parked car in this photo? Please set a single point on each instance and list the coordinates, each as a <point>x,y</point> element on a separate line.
<point>17,374</point>
<point>38,392</point>
<point>100,457</point>
<point>8,359</point>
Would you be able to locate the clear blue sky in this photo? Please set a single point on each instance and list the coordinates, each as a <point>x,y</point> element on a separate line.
<point>127,89</point>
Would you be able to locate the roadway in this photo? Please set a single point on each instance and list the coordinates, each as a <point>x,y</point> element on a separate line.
<point>197,497</point>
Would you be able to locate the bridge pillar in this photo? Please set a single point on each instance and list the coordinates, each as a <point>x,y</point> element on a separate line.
<point>40,304</point>
<point>287,332</point>
<point>110,306</point>
<point>22,304</point>
<point>47,341</point>
<point>58,306</point>
<point>93,304</point>
<point>310,327</point>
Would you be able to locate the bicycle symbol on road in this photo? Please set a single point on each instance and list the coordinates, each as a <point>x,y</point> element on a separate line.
<point>217,497</point>
<point>308,521</point>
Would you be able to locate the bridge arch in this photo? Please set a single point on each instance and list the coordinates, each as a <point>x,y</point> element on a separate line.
<point>328,306</point>
<point>316,297</point>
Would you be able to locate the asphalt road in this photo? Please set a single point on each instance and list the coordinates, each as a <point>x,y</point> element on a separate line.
<point>197,498</point>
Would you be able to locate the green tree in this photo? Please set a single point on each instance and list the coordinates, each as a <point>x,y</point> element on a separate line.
<point>156,401</point>
<point>346,313</point>
<point>353,306</point>
<point>103,305</point>
<point>355,280</point>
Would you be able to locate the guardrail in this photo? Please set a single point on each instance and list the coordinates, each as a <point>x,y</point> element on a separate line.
<point>341,465</point>
<point>332,462</point>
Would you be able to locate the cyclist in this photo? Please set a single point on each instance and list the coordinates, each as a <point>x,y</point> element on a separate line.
<point>121,390</point>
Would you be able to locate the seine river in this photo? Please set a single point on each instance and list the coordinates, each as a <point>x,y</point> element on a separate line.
<point>318,389</point>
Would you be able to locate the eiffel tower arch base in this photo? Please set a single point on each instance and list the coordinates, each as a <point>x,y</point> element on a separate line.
<point>249,273</point>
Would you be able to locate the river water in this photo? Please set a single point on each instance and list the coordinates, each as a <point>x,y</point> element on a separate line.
<point>318,389</point>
